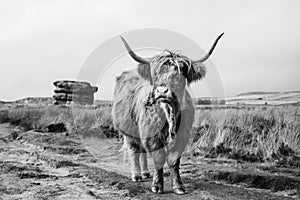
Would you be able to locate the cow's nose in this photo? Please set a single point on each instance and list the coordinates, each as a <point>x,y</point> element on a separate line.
<point>163,91</point>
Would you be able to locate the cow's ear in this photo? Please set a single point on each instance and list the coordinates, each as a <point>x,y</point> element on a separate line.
<point>196,72</point>
<point>144,71</point>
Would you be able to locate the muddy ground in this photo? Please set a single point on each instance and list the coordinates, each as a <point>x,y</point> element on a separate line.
<point>36,165</point>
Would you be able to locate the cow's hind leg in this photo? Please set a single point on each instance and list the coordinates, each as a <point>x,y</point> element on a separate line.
<point>159,158</point>
<point>176,183</point>
<point>133,149</point>
<point>144,165</point>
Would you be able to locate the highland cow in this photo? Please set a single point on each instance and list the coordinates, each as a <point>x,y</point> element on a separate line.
<point>154,112</point>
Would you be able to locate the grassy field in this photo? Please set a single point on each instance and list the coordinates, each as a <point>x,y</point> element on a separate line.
<point>233,149</point>
<point>259,132</point>
<point>88,120</point>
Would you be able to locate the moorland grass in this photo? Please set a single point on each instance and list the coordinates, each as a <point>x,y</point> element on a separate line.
<point>80,119</point>
<point>259,130</point>
<point>256,129</point>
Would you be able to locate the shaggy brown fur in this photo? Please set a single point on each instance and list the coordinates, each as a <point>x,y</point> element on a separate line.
<point>148,127</point>
<point>154,111</point>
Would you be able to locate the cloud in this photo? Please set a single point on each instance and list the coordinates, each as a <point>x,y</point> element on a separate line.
<point>50,40</point>
<point>41,41</point>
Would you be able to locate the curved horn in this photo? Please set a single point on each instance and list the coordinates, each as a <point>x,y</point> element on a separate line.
<point>210,51</point>
<point>132,54</point>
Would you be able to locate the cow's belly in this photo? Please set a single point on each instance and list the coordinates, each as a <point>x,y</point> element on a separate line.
<point>123,119</point>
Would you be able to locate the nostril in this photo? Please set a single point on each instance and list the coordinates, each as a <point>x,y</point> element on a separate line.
<point>166,90</point>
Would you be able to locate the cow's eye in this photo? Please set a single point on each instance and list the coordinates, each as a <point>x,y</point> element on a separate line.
<point>173,67</point>
<point>168,62</point>
<point>183,67</point>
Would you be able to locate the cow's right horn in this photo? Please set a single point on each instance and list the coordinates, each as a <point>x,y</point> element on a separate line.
<point>132,54</point>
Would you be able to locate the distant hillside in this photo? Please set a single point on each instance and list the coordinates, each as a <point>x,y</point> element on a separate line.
<point>102,102</point>
<point>247,98</point>
<point>46,101</point>
<point>30,100</point>
<point>209,101</point>
<point>267,98</point>
<point>256,93</point>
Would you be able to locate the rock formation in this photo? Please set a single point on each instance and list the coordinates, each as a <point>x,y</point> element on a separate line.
<point>73,91</point>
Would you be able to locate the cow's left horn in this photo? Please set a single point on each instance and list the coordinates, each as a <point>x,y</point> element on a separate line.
<point>210,51</point>
<point>132,54</point>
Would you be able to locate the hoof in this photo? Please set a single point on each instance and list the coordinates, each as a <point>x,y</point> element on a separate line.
<point>179,191</point>
<point>136,178</point>
<point>156,189</point>
<point>146,175</point>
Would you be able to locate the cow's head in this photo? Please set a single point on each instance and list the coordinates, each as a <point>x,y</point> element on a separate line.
<point>169,72</point>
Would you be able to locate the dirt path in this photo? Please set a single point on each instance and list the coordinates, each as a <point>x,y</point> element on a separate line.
<point>28,171</point>
<point>194,172</point>
<point>37,165</point>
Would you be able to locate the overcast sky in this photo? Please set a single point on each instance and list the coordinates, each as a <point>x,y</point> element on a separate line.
<point>42,41</point>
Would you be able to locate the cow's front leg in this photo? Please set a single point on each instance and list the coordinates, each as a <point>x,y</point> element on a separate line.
<point>176,183</point>
<point>159,158</point>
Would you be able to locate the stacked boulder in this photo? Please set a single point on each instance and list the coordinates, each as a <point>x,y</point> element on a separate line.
<point>77,92</point>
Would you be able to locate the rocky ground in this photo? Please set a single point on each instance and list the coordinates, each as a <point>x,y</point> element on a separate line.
<point>36,165</point>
